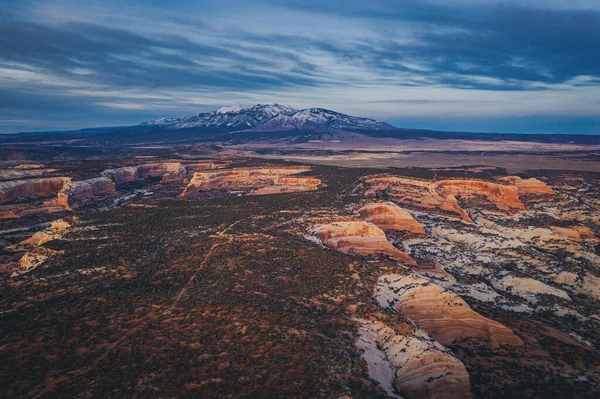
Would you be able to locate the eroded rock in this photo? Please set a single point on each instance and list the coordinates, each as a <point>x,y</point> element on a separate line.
<point>422,368</point>
<point>388,216</point>
<point>358,237</point>
<point>440,312</point>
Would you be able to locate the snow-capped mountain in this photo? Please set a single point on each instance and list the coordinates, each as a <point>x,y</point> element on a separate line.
<point>270,117</point>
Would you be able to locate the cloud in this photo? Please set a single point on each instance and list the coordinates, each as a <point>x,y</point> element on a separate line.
<point>386,59</point>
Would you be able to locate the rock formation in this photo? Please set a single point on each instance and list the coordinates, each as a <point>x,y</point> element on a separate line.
<point>528,187</point>
<point>503,196</point>
<point>358,237</point>
<point>187,171</point>
<point>12,190</point>
<point>416,194</point>
<point>388,216</point>
<point>442,313</point>
<point>258,181</point>
<point>139,172</point>
<point>529,288</point>
<point>422,368</point>
<point>75,194</point>
<point>441,196</point>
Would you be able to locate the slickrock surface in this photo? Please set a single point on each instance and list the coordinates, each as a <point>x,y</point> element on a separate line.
<point>587,284</point>
<point>359,237</point>
<point>529,187</point>
<point>258,181</point>
<point>11,190</point>
<point>440,312</point>
<point>388,216</point>
<point>529,288</point>
<point>423,368</point>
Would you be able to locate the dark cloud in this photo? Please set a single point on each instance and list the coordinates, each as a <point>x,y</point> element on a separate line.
<point>409,44</point>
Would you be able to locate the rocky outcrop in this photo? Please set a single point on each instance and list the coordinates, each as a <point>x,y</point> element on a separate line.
<point>587,284</point>
<point>415,194</point>
<point>441,196</point>
<point>503,196</point>
<point>529,288</point>
<point>421,367</point>
<point>256,181</point>
<point>140,172</point>
<point>388,216</point>
<point>187,171</point>
<point>75,194</point>
<point>442,313</point>
<point>528,187</point>
<point>33,188</point>
<point>358,237</point>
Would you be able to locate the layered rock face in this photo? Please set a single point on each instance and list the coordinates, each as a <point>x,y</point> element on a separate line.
<point>422,368</point>
<point>441,196</point>
<point>144,171</point>
<point>414,193</point>
<point>75,194</point>
<point>503,196</point>
<point>258,181</point>
<point>187,171</point>
<point>358,237</point>
<point>388,216</point>
<point>11,190</point>
<point>440,312</point>
<point>529,187</point>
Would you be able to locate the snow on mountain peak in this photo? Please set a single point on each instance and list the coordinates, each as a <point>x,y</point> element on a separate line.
<point>270,117</point>
<point>233,108</point>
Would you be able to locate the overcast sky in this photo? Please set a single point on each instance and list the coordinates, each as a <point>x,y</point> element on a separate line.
<point>466,65</point>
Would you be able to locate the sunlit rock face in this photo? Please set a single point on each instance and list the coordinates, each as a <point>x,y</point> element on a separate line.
<point>187,171</point>
<point>440,312</point>
<point>12,190</point>
<point>144,171</point>
<point>388,216</point>
<point>529,187</point>
<point>505,197</point>
<point>415,194</point>
<point>75,194</point>
<point>253,181</point>
<point>422,368</point>
<point>358,237</point>
<point>442,196</point>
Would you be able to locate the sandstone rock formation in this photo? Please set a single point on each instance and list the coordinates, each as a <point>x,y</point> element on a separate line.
<point>12,190</point>
<point>258,181</point>
<point>529,187</point>
<point>187,171</point>
<point>422,368</point>
<point>75,194</point>
<point>358,237</point>
<point>441,196</point>
<point>588,284</point>
<point>529,288</point>
<point>388,216</point>
<point>503,196</point>
<point>139,172</point>
<point>442,313</point>
<point>416,194</point>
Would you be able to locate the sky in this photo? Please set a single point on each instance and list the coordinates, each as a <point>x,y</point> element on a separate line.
<point>528,66</point>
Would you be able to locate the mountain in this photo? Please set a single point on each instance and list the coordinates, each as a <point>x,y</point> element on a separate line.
<point>271,117</point>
